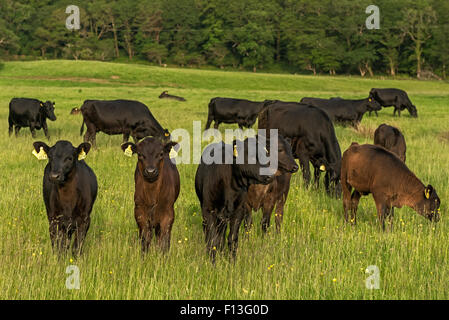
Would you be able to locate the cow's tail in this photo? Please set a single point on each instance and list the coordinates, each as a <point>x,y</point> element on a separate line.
<point>210,114</point>
<point>82,128</point>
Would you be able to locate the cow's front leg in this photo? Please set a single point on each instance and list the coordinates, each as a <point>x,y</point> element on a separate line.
<point>233,236</point>
<point>145,232</point>
<point>33,131</point>
<point>45,128</point>
<point>82,226</point>
<point>16,131</point>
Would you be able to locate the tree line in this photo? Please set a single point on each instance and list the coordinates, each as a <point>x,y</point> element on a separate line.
<point>298,36</point>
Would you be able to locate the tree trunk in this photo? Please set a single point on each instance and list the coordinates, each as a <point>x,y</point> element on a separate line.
<point>114,30</point>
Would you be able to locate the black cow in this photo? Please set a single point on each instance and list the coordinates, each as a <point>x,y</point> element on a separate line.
<point>228,110</point>
<point>222,190</point>
<point>70,189</point>
<point>343,110</point>
<point>313,138</point>
<point>391,139</point>
<point>165,94</point>
<point>127,117</point>
<point>32,113</point>
<point>274,194</point>
<point>394,97</point>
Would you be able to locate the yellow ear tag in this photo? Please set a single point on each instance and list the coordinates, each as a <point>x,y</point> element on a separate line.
<point>236,154</point>
<point>167,134</point>
<point>426,192</point>
<point>322,167</point>
<point>370,99</point>
<point>129,151</point>
<point>82,155</point>
<point>173,153</point>
<point>42,155</point>
<point>42,104</point>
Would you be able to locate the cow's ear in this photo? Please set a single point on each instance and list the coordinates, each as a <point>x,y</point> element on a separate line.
<point>82,150</point>
<point>40,150</point>
<point>129,149</point>
<point>428,191</point>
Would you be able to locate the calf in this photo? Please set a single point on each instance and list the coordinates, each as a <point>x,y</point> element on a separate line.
<point>222,189</point>
<point>344,111</point>
<point>32,113</point>
<point>228,110</point>
<point>266,197</point>
<point>70,189</point>
<point>394,97</point>
<point>169,96</point>
<point>391,139</point>
<point>372,169</point>
<point>127,117</point>
<point>156,190</point>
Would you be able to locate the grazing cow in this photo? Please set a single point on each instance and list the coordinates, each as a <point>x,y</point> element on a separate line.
<point>391,139</point>
<point>222,188</point>
<point>373,169</point>
<point>228,110</point>
<point>394,97</point>
<point>169,96</point>
<point>119,117</point>
<point>313,138</point>
<point>32,113</point>
<point>344,111</point>
<point>75,111</point>
<point>267,196</point>
<point>156,190</point>
<point>70,189</point>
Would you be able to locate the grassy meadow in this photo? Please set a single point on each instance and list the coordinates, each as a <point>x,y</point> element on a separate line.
<point>316,256</point>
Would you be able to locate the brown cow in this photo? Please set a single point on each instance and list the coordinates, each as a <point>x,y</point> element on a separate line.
<point>373,169</point>
<point>391,139</point>
<point>267,196</point>
<point>156,190</point>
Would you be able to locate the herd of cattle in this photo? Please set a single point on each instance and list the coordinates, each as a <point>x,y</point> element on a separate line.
<point>227,192</point>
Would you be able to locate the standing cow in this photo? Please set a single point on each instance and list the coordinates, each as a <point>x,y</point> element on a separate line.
<point>373,169</point>
<point>157,187</point>
<point>394,97</point>
<point>222,189</point>
<point>32,113</point>
<point>313,138</point>
<point>127,117</point>
<point>391,139</point>
<point>70,189</point>
<point>228,110</point>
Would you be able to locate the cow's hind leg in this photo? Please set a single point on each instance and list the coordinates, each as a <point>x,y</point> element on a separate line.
<point>355,198</point>
<point>16,131</point>
<point>10,126</point>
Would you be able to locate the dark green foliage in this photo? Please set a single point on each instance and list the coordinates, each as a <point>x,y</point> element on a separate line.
<point>301,36</point>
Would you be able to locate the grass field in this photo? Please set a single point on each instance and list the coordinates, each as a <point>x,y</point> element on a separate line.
<point>316,256</point>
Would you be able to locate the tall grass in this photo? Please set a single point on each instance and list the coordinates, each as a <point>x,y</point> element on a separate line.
<point>316,256</point>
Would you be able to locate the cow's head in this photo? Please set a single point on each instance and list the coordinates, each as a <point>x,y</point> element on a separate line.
<point>413,111</point>
<point>372,104</point>
<point>429,205</point>
<point>151,152</point>
<point>286,161</point>
<point>62,158</point>
<point>48,109</point>
<point>247,161</point>
<point>163,94</point>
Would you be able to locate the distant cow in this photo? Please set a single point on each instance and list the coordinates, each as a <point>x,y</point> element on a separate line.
<point>165,94</point>
<point>228,110</point>
<point>344,111</point>
<point>156,190</point>
<point>32,113</point>
<point>274,194</point>
<point>127,117</point>
<point>391,139</point>
<point>75,111</point>
<point>222,190</point>
<point>373,169</point>
<point>313,138</point>
<point>394,97</point>
<point>70,189</point>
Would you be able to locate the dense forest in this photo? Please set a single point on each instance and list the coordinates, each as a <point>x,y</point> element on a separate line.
<point>298,36</point>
